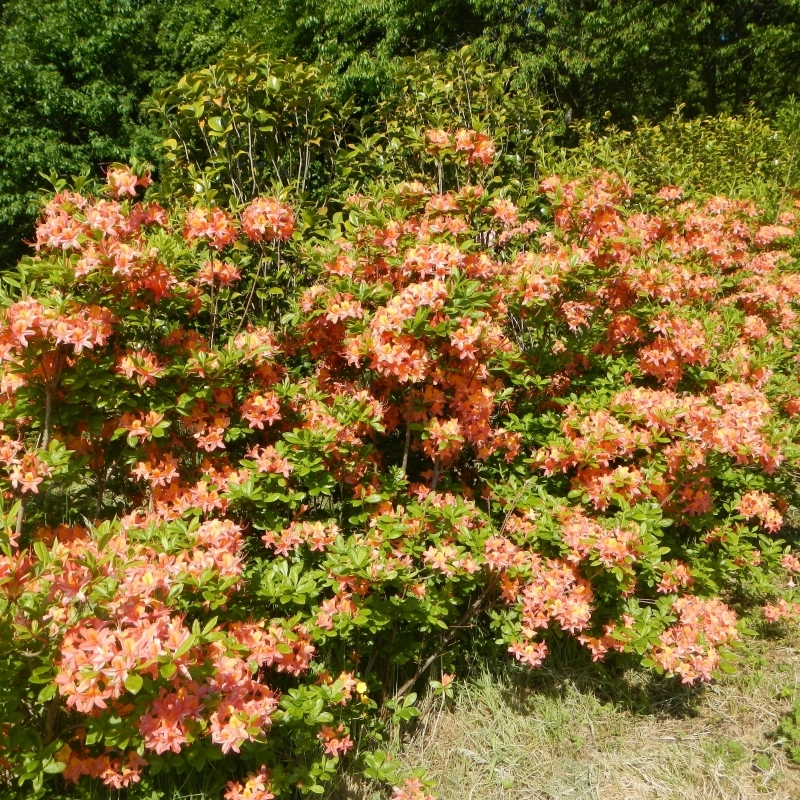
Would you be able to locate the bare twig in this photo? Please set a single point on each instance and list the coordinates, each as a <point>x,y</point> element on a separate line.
<point>408,431</point>
<point>475,608</point>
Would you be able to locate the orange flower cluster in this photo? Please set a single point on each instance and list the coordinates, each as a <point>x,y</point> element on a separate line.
<point>28,324</point>
<point>73,222</point>
<point>781,610</point>
<point>260,408</point>
<point>117,773</point>
<point>98,658</point>
<point>671,437</point>
<point>760,505</point>
<point>267,219</point>
<point>25,472</point>
<point>335,742</point>
<point>218,273</point>
<point>214,226</point>
<point>315,534</point>
<point>690,647</point>
<point>256,787</point>
<point>122,181</point>
<point>478,148</point>
<point>412,789</point>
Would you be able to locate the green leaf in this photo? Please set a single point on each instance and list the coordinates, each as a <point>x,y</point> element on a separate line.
<point>42,674</point>
<point>47,693</point>
<point>184,648</point>
<point>168,670</point>
<point>134,682</point>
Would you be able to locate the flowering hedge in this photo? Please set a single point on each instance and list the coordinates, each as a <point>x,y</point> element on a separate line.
<point>262,470</point>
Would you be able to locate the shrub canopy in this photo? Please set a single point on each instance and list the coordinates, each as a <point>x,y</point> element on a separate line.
<point>269,464</point>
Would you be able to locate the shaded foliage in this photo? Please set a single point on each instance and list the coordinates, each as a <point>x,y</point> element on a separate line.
<point>74,73</point>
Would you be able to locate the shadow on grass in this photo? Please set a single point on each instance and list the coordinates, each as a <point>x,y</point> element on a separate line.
<point>571,700</point>
<point>486,672</point>
<point>620,683</point>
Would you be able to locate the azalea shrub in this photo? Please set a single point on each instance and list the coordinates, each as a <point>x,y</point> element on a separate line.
<point>266,470</point>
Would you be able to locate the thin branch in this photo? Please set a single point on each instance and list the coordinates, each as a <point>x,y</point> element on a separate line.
<point>48,409</point>
<point>253,287</point>
<point>214,299</point>
<point>408,431</point>
<point>475,608</point>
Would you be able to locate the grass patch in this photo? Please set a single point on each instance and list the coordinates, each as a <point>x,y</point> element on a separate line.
<point>580,731</point>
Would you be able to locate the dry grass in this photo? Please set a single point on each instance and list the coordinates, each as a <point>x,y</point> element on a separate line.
<point>579,734</point>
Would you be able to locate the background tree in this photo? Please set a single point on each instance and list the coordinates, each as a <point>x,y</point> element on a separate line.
<point>74,73</point>
<point>637,57</point>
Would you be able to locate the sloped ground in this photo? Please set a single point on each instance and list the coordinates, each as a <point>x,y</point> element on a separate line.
<point>582,734</point>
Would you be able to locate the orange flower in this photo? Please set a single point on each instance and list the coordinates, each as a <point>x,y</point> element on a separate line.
<point>760,504</point>
<point>212,225</point>
<point>141,364</point>
<point>334,743</point>
<point>122,181</point>
<point>260,408</point>
<point>265,218</point>
<point>256,787</point>
<point>436,141</point>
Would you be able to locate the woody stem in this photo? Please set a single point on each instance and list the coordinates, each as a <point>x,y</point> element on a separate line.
<point>213,305</point>
<point>101,486</point>
<point>474,608</point>
<point>48,408</point>
<point>20,515</point>
<point>51,717</point>
<point>408,432</point>
<point>49,390</point>
<point>252,292</point>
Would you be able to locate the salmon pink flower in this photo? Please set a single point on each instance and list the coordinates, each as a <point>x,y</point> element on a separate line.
<point>781,610</point>
<point>530,653</point>
<point>436,141</point>
<point>214,226</point>
<point>412,789</point>
<point>122,181</point>
<point>478,147</point>
<point>141,365</point>
<point>260,408</point>
<point>267,219</point>
<point>335,742</point>
<point>218,273</point>
<point>760,505</point>
<point>256,787</point>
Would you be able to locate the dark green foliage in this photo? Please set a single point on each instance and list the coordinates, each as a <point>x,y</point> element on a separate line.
<point>632,57</point>
<point>74,73</point>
